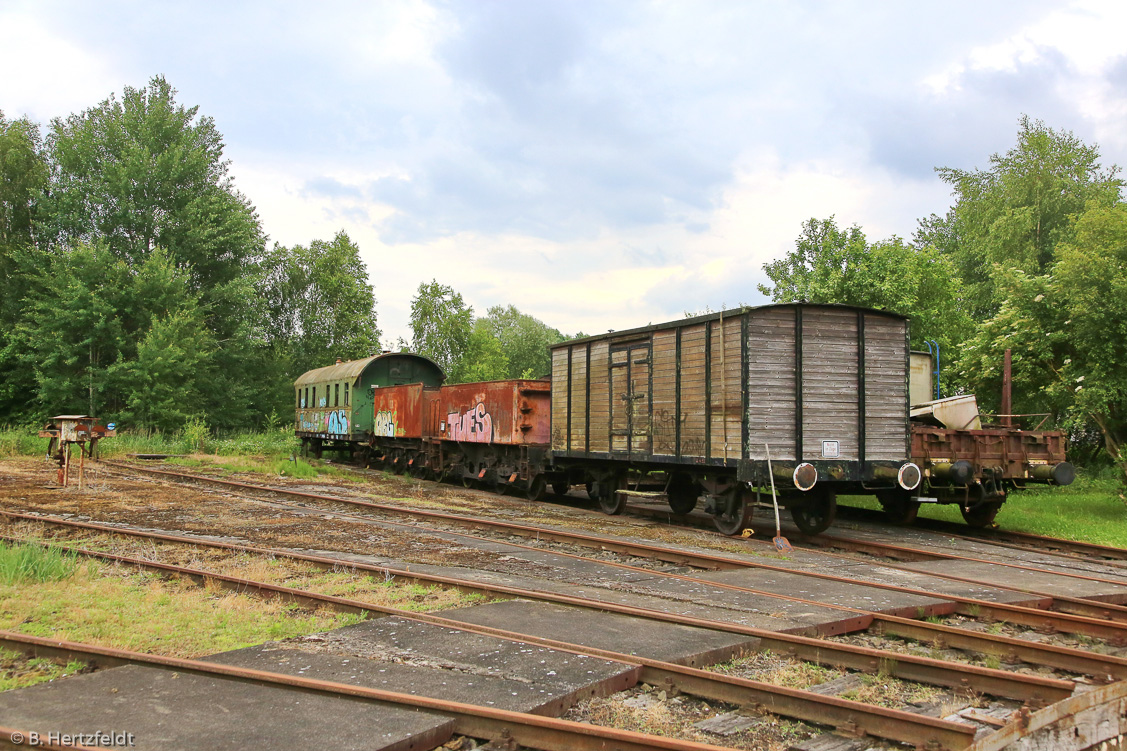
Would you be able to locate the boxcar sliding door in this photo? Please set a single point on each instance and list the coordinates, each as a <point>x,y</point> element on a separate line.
<point>630,400</point>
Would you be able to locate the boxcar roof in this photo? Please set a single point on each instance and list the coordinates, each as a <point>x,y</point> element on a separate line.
<point>716,316</point>
<point>353,369</point>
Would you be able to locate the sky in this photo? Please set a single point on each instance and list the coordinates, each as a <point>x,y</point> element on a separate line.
<point>599,165</point>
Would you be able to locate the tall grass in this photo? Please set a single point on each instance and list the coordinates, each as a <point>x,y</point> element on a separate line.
<point>32,563</point>
<point>279,442</point>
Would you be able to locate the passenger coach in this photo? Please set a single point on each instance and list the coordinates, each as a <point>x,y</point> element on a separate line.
<point>334,408</point>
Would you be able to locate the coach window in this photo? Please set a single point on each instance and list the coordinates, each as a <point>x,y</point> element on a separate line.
<point>314,397</point>
<point>346,394</point>
<point>297,399</point>
<point>305,404</point>
<point>336,395</point>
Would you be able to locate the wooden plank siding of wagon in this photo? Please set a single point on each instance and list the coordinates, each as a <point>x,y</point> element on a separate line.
<point>694,392</point>
<point>771,383</point>
<point>830,409</point>
<point>663,396</point>
<point>561,390</point>
<point>725,398</point>
<point>600,397</point>
<point>886,371</point>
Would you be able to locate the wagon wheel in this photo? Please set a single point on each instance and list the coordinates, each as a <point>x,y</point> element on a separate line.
<point>736,513</point>
<point>981,515</point>
<point>590,487</point>
<point>560,488</point>
<point>816,513</point>
<point>610,500</point>
<point>399,460</point>
<point>683,493</point>
<point>537,489</point>
<point>899,506</point>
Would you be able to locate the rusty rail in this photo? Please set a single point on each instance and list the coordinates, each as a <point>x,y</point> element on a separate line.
<point>1033,689</point>
<point>795,703</point>
<point>535,731</point>
<point>1096,623</point>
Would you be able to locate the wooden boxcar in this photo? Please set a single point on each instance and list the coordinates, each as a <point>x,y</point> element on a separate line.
<point>818,394</point>
<point>334,407</point>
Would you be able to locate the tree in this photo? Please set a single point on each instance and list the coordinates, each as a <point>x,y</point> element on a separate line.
<point>830,265</point>
<point>1067,328</point>
<point>441,324</point>
<point>23,175</point>
<point>524,341</point>
<point>145,172</point>
<point>99,336</point>
<point>321,305</point>
<point>484,358</point>
<point>1013,214</point>
<point>167,381</point>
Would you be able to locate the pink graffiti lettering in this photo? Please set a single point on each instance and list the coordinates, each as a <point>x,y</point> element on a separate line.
<point>474,426</point>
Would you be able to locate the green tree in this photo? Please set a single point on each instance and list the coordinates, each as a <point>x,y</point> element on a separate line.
<point>441,324</point>
<point>88,319</point>
<point>165,385</point>
<point>321,305</point>
<point>145,173</point>
<point>484,358</point>
<point>1013,214</point>
<point>1067,328</point>
<point>524,341</point>
<point>23,175</point>
<point>830,265</point>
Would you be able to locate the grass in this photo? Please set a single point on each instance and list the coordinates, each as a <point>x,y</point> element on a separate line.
<point>1091,509</point>
<point>16,671</point>
<point>31,563</point>
<point>47,593</point>
<point>279,443</point>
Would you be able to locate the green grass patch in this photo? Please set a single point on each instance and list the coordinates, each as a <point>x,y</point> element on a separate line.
<point>142,612</point>
<point>227,465</point>
<point>277,443</point>
<point>32,563</point>
<point>18,671</point>
<point>1091,509</point>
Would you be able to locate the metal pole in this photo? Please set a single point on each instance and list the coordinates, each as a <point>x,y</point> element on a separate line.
<point>1007,390</point>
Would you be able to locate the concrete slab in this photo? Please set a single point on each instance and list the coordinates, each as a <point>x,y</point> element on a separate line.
<point>820,590</point>
<point>1042,582</point>
<point>660,641</point>
<point>426,660</point>
<point>165,710</point>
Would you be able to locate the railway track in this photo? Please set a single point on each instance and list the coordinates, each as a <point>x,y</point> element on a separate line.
<point>1098,620</point>
<point>1074,549</point>
<point>1025,688</point>
<point>803,705</point>
<point>1095,664</point>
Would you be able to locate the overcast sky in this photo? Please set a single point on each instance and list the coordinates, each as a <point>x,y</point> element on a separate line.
<point>598,165</point>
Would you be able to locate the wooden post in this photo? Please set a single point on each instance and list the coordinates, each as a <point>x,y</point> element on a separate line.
<point>81,465</point>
